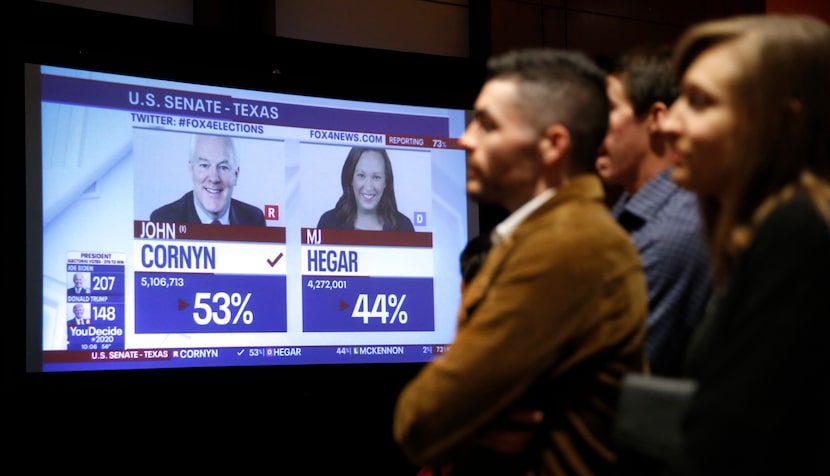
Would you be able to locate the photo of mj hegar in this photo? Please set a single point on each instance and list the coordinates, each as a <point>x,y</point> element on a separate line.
<point>368,199</point>
<point>214,168</point>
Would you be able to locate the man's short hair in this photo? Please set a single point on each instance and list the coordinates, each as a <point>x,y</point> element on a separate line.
<point>560,87</point>
<point>647,75</point>
<point>230,147</point>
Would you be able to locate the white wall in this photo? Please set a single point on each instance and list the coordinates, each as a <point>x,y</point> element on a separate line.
<point>437,27</point>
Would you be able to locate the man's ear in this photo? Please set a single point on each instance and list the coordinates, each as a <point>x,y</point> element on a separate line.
<point>656,114</point>
<point>555,144</point>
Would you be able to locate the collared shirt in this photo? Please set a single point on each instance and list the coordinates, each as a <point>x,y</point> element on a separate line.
<point>207,219</point>
<point>665,225</point>
<point>504,229</point>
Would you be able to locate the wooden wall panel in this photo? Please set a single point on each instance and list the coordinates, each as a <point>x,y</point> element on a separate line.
<point>601,35</point>
<point>555,31</point>
<point>819,8</point>
<point>725,8</point>
<point>674,12</point>
<point>232,15</point>
<point>515,24</point>
<point>595,26</point>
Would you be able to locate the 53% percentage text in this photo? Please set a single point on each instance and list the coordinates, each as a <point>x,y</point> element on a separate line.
<point>380,308</point>
<point>222,308</point>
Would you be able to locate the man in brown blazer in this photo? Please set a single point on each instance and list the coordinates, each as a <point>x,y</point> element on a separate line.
<point>557,312</point>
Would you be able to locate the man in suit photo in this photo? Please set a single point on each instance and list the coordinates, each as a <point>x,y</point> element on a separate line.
<point>214,167</point>
<point>78,289</point>
<point>78,318</point>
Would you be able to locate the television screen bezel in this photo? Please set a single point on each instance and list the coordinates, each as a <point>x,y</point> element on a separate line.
<point>85,39</point>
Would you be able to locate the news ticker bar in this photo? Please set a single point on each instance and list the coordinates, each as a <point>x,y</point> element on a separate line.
<point>239,356</point>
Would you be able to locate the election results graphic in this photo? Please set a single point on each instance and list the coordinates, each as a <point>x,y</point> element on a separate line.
<point>195,278</point>
<point>199,225</point>
<point>349,286</point>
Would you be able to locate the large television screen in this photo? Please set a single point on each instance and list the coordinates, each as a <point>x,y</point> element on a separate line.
<point>340,225</point>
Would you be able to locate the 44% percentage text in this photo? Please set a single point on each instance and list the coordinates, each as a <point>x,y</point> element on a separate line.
<point>380,308</point>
